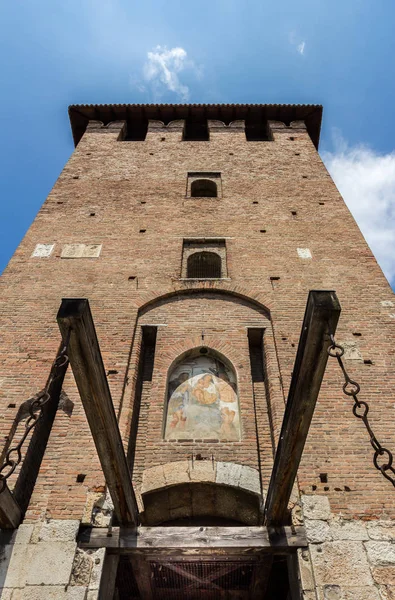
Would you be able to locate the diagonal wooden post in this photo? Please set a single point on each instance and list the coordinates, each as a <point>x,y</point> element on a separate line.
<point>10,512</point>
<point>88,369</point>
<point>320,320</point>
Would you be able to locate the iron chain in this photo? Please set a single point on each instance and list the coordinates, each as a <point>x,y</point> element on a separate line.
<point>14,454</point>
<point>382,458</point>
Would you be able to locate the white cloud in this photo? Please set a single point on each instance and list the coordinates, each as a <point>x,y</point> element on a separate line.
<point>297,42</point>
<point>162,69</point>
<point>300,48</point>
<point>366,180</point>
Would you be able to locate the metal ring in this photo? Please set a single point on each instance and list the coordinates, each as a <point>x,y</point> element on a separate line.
<point>387,465</point>
<point>64,358</point>
<point>335,351</point>
<point>358,405</point>
<point>355,391</point>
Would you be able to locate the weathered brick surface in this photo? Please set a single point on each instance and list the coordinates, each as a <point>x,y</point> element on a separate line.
<point>111,179</point>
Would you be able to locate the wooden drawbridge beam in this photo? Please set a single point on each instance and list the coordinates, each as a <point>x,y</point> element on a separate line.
<point>320,321</point>
<point>88,369</point>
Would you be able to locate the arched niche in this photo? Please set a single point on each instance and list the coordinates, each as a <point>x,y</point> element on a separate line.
<point>201,504</point>
<point>200,491</point>
<point>204,265</point>
<point>204,188</point>
<point>202,398</point>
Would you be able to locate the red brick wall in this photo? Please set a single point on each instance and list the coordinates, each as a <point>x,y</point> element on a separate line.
<point>111,178</point>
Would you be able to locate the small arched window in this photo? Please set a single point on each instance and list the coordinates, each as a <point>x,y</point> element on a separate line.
<point>204,188</point>
<point>204,265</point>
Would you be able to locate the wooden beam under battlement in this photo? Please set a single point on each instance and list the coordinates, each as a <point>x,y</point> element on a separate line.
<point>194,541</point>
<point>320,321</point>
<point>88,369</point>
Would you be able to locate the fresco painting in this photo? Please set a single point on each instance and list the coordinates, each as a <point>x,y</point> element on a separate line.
<point>202,401</point>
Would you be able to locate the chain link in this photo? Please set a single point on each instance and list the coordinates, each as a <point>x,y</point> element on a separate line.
<point>382,458</point>
<point>37,403</point>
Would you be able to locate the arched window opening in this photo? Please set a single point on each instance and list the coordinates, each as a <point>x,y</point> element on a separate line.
<point>204,265</point>
<point>202,400</point>
<point>204,188</point>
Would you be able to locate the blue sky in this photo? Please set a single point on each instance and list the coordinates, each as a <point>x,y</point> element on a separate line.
<point>337,53</point>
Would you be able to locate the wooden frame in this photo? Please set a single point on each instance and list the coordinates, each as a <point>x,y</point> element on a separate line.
<point>193,541</point>
<point>320,321</point>
<point>88,369</point>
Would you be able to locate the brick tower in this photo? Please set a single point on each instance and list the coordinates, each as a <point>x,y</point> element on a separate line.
<point>178,255</point>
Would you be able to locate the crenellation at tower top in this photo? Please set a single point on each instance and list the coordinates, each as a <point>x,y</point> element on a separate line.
<point>195,117</point>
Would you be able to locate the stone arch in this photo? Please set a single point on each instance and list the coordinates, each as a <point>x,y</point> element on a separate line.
<point>201,489</point>
<point>201,400</point>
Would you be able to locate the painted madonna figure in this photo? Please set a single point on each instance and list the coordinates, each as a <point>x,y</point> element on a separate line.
<point>202,402</point>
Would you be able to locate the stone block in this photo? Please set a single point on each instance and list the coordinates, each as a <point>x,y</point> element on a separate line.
<point>176,472</point>
<point>42,250</point>
<point>43,592</point>
<point>384,575</point>
<point>297,515</point>
<point>381,531</point>
<point>82,567</point>
<point>24,534</point>
<point>380,554</point>
<point>348,530</point>
<point>250,480</point>
<point>304,252</point>
<point>81,251</point>
<point>340,563</point>
<point>228,473</point>
<point>100,519</point>
<point>6,593</point>
<point>14,563</point>
<point>336,592</point>
<point>387,592</point>
<point>369,592</point>
<point>351,350</point>
<point>59,530</point>
<point>202,471</point>
<point>317,531</point>
<point>305,570</point>
<point>97,568</point>
<point>316,507</point>
<point>51,563</point>
<point>92,499</point>
<point>153,479</point>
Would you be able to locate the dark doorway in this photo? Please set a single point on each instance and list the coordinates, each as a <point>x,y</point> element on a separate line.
<point>263,577</point>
